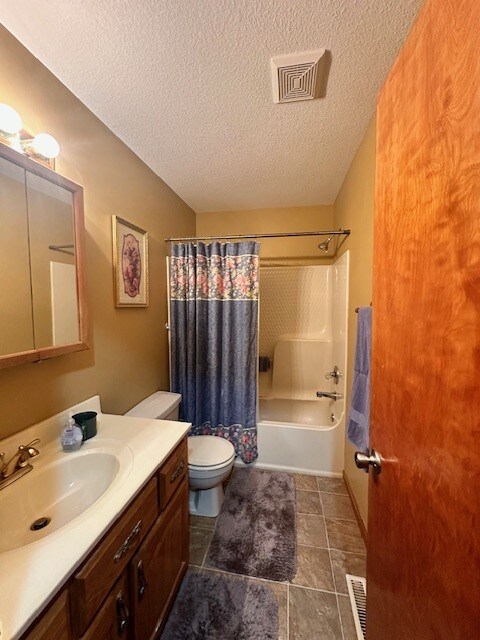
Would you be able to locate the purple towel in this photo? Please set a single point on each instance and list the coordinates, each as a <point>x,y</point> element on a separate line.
<point>359,418</point>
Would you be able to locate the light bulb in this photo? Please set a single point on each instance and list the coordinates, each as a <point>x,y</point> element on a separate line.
<point>45,145</point>
<point>10,121</point>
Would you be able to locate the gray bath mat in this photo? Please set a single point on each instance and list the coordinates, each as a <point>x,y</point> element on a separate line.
<point>216,607</point>
<point>256,529</point>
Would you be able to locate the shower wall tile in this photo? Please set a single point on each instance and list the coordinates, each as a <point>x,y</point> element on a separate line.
<point>296,366</point>
<point>303,329</point>
<point>295,302</point>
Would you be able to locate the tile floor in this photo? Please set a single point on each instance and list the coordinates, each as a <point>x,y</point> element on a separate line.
<point>314,605</point>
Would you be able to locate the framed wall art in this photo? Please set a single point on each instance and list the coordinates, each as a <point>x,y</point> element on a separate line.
<point>130,264</point>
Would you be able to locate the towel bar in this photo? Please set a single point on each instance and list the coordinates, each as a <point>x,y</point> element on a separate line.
<point>357,308</point>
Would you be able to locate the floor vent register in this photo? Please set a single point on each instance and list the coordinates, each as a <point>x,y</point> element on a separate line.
<point>357,590</point>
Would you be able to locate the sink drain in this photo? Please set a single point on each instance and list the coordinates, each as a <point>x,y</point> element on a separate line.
<point>40,523</point>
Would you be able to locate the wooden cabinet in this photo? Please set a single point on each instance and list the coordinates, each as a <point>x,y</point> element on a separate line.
<point>95,579</point>
<point>113,621</point>
<point>125,588</point>
<point>159,566</point>
<point>55,623</point>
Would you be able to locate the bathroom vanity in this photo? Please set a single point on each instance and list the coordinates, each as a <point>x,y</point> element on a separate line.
<point>126,586</point>
<point>113,571</point>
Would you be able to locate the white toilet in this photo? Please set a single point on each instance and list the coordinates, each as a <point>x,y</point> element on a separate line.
<point>210,461</point>
<point>161,405</point>
<point>210,458</point>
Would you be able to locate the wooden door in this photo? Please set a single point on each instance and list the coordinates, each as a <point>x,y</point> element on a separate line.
<point>159,566</point>
<point>424,522</point>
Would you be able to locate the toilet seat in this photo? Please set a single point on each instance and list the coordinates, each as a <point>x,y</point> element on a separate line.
<point>209,453</point>
<point>214,467</point>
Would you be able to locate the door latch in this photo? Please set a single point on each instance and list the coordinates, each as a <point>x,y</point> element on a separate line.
<point>365,461</point>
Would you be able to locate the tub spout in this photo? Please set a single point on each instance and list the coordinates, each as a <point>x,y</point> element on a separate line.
<point>333,395</point>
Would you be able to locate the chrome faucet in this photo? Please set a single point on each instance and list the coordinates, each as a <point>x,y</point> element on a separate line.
<point>19,463</point>
<point>333,395</point>
<point>334,375</point>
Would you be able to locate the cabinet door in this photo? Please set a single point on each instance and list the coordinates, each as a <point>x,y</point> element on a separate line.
<point>93,581</point>
<point>55,623</point>
<point>159,566</point>
<point>113,619</point>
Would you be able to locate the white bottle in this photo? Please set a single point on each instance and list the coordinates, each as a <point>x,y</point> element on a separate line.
<point>72,436</point>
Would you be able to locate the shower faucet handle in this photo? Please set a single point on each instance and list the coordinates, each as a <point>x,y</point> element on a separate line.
<point>334,375</point>
<point>333,395</point>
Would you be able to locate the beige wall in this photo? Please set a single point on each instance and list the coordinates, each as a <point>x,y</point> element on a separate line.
<point>282,220</point>
<point>354,210</point>
<point>128,356</point>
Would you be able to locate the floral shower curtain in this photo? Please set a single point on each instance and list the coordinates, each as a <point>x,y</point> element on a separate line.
<point>214,339</point>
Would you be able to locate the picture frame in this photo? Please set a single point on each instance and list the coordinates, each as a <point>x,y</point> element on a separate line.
<point>130,263</point>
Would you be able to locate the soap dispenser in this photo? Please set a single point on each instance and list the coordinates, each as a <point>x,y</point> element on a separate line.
<point>72,436</point>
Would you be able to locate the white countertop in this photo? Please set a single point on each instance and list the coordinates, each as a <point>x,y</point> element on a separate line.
<point>31,575</point>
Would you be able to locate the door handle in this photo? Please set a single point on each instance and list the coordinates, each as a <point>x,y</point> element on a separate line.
<point>373,459</point>
<point>142,581</point>
<point>123,616</point>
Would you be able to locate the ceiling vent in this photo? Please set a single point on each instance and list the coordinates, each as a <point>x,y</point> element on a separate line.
<point>297,76</point>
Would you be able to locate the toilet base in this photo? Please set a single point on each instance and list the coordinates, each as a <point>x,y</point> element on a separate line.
<point>206,502</point>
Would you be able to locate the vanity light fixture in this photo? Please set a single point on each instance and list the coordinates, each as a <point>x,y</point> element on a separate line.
<point>10,121</point>
<point>43,147</point>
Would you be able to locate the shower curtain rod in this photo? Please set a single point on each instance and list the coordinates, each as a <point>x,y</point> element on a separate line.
<point>253,236</point>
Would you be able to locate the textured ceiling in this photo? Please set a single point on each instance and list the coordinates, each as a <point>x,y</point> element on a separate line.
<point>186,84</point>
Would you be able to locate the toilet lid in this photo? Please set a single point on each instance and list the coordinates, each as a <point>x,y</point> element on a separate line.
<point>208,451</point>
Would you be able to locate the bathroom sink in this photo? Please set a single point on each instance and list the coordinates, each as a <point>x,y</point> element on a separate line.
<point>61,487</point>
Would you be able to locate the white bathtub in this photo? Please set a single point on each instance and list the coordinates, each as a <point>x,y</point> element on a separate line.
<point>299,436</point>
<point>300,413</point>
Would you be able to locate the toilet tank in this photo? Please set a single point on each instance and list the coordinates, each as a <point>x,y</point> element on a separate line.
<point>161,405</point>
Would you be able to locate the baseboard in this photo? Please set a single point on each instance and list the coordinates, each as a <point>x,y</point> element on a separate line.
<point>361,524</point>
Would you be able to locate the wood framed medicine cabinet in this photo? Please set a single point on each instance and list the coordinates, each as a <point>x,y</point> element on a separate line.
<point>43,309</point>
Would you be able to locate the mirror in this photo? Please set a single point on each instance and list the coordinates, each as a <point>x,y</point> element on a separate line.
<point>42,308</point>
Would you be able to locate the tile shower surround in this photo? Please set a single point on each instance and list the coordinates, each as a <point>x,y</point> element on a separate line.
<point>314,605</point>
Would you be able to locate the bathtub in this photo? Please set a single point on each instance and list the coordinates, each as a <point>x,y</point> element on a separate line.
<point>301,436</point>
